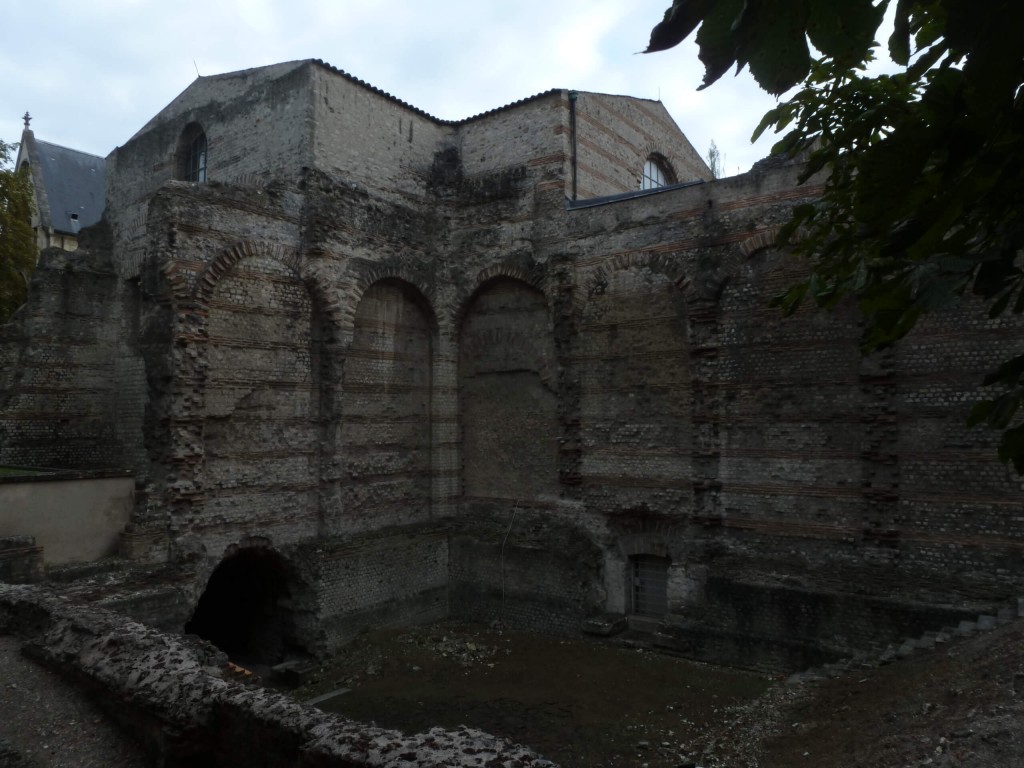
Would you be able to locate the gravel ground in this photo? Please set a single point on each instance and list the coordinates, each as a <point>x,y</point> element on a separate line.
<point>44,721</point>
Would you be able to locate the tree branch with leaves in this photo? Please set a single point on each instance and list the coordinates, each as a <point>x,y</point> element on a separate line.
<point>924,168</point>
<point>17,243</point>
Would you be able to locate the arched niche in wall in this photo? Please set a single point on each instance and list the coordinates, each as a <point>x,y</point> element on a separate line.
<point>635,392</point>
<point>262,401</point>
<point>387,385</point>
<point>247,608</point>
<point>507,394</point>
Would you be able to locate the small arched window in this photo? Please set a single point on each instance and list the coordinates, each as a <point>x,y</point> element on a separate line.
<point>657,173</point>
<point>192,154</point>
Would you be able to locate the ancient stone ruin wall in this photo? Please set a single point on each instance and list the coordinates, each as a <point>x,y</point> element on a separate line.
<point>185,713</point>
<point>59,394</point>
<point>508,394</point>
<point>387,441</point>
<point>258,125</point>
<point>954,514</point>
<point>393,158</point>
<point>463,398</point>
<point>376,579</point>
<point>531,134</point>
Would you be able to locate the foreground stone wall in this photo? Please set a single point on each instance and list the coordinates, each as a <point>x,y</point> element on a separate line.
<point>184,713</point>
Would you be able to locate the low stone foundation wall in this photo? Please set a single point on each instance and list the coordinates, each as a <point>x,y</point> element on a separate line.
<point>21,560</point>
<point>169,693</point>
<point>535,571</point>
<point>777,628</point>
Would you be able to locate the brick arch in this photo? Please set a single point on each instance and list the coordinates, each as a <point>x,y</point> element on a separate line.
<point>226,261</point>
<point>267,374</point>
<point>765,238</point>
<point>729,267</point>
<point>515,340</point>
<point>398,275</point>
<point>360,277</point>
<point>661,263</point>
<point>647,543</point>
<point>668,160</point>
<point>252,541</point>
<point>535,277</point>
<point>675,162</point>
<point>239,604</point>
<point>315,279</point>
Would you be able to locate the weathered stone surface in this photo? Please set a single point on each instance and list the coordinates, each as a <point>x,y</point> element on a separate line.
<point>168,692</point>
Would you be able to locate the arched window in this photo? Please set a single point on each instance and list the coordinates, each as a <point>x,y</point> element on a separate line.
<point>657,173</point>
<point>192,154</point>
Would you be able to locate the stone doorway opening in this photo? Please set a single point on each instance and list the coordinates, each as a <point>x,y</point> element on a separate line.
<point>246,609</point>
<point>649,582</point>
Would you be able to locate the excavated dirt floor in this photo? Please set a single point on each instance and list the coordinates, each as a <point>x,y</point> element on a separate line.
<point>577,702</point>
<point>588,703</point>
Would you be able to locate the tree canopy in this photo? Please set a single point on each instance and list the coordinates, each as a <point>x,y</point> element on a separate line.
<point>17,243</point>
<point>924,168</point>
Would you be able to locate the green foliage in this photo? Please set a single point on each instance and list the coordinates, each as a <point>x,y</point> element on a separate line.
<point>923,169</point>
<point>17,243</point>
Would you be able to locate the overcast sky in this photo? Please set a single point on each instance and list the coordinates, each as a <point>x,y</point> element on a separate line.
<point>92,73</point>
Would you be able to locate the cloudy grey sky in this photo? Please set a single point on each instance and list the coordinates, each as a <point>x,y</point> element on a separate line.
<point>92,73</point>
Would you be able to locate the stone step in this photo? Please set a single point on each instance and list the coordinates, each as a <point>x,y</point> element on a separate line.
<point>966,628</point>
<point>907,648</point>
<point>986,622</point>
<point>925,641</point>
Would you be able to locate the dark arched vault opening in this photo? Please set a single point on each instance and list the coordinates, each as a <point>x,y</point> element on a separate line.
<point>245,610</point>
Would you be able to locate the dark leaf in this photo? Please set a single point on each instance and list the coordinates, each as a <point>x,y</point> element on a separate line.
<point>680,20</point>
<point>843,31</point>
<point>715,39</point>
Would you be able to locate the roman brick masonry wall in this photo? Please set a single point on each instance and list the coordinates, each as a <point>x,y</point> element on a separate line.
<point>386,442</point>
<point>507,394</point>
<point>393,159</point>
<point>399,576</point>
<point>458,396</point>
<point>262,404</point>
<point>58,393</point>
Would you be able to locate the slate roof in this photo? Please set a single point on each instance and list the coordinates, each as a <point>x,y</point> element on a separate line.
<point>73,183</point>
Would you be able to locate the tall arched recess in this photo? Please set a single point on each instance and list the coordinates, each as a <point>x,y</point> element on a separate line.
<point>386,412</point>
<point>262,405</point>
<point>506,394</point>
<point>635,394</point>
